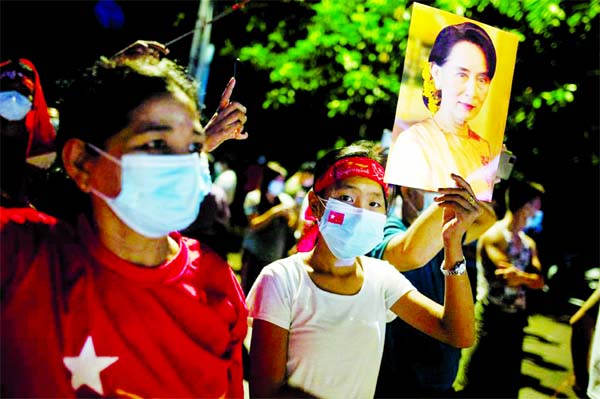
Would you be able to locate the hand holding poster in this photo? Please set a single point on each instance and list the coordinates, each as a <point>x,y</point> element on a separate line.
<point>453,103</point>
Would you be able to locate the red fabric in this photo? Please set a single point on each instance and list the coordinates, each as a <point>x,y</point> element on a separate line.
<point>349,167</point>
<point>171,331</point>
<point>309,237</point>
<point>37,121</point>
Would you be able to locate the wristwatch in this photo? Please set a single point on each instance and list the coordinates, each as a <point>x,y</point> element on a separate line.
<point>459,268</point>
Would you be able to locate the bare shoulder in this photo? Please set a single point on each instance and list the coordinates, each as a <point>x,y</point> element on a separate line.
<point>494,236</point>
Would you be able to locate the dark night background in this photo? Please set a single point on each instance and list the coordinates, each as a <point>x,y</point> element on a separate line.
<point>60,37</point>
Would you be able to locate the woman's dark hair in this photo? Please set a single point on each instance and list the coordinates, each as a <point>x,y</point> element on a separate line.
<point>362,148</point>
<point>518,193</point>
<point>97,105</point>
<point>466,31</point>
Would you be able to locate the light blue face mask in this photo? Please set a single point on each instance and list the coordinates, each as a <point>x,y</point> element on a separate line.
<point>534,222</point>
<point>275,187</point>
<point>350,231</point>
<point>159,193</point>
<point>13,105</point>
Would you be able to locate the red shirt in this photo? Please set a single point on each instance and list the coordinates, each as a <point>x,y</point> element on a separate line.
<point>77,320</point>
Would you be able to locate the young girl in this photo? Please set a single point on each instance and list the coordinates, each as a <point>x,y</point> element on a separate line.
<point>319,317</point>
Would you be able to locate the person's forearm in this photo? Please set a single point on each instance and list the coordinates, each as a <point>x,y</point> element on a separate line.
<point>587,305</point>
<point>419,244</point>
<point>262,220</point>
<point>459,315</point>
<point>532,280</point>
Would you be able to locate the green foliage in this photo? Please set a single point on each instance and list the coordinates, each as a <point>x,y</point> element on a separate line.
<point>351,49</point>
<point>529,102</point>
<point>347,56</point>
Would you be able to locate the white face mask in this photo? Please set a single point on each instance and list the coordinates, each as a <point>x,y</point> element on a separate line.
<point>13,105</point>
<point>159,193</point>
<point>275,187</point>
<point>350,231</point>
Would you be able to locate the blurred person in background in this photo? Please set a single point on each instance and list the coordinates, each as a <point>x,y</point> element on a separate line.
<point>508,269</point>
<point>26,131</point>
<point>586,357</point>
<point>225,176</point>
<point>297,186</point>
<point>271,220</point>
<point>593,388</point>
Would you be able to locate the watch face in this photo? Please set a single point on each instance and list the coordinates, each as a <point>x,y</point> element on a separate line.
<point>459,268</point>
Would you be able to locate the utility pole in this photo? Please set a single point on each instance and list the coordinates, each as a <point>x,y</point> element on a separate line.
<point>202,51</point>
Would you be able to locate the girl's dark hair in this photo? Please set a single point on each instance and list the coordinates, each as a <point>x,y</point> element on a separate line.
<point>466,31</point>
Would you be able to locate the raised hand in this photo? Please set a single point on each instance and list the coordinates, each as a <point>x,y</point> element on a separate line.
<point>227,122</point>
<point>461,207</point>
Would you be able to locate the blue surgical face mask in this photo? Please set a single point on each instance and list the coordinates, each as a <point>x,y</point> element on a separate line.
<point>159,193</point>
<point>13,105</point>
<point>350,231</point>
<point>275,187</point>
<point>534,222</point>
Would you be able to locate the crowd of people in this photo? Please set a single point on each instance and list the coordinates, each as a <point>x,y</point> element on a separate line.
<point>115,279</point>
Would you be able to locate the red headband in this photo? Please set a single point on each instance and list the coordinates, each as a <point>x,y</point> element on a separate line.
<point>349,167</point>
<point>342,169</point>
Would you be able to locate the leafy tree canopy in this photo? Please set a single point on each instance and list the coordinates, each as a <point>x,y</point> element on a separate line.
<point>349,54</point>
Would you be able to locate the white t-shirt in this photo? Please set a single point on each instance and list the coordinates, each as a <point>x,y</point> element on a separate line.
<point>227,180</point>
<point>335,341</point>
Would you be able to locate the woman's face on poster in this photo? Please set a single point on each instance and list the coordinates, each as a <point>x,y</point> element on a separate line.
<point>463,81</point>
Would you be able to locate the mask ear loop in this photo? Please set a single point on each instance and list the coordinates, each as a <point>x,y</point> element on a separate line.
<point>110,158</point>
<point>104,153</point>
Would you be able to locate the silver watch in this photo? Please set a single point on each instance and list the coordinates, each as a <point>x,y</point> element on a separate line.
<point>459,268</point>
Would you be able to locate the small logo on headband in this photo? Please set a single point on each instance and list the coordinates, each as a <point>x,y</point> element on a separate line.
<point>335,217</point>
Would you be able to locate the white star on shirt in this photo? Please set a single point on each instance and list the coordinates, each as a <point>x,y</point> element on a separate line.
<point>85,368</point>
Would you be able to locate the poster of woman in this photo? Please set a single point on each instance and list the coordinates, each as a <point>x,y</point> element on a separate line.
<point>453,102</point>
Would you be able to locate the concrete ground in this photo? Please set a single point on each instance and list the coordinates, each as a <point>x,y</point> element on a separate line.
<point>547,367</point>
